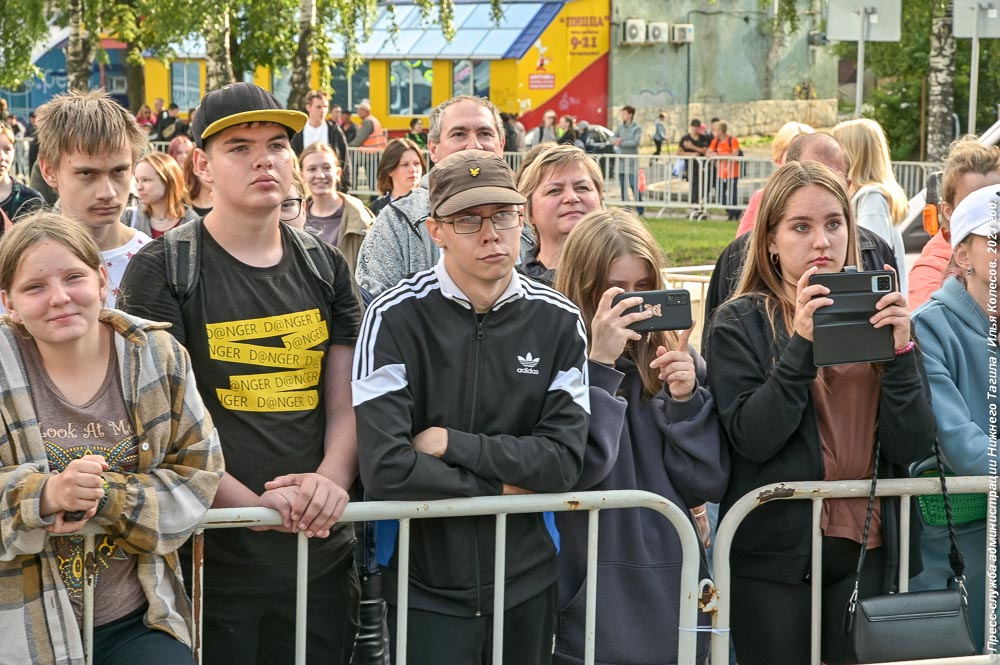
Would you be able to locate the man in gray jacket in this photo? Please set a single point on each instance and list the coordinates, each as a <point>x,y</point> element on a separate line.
<point>626,141</point>
<point>398,244</point>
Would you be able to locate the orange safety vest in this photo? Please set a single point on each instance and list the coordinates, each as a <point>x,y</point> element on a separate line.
<point>375,140</point>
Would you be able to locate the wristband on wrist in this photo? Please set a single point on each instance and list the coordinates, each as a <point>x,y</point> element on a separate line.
<point>906,349</point>
<point>701,514</point>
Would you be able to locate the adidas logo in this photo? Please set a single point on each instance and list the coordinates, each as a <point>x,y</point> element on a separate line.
<point>528,364</point>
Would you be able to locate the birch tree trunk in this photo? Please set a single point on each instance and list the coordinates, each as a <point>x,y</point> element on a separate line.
<point>302,66</point>
<point>79,53</point>
<point>219,61</point>
<point>941,81</point>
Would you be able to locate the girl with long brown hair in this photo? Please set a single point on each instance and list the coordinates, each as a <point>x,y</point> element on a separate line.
<point>786,421</point>
<point>653,427</point>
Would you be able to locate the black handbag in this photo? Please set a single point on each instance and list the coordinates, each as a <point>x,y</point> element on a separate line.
<point>914,625</point>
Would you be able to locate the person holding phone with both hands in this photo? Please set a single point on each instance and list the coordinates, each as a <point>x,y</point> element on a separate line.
<point>785,421</point>
<point>653,427</point>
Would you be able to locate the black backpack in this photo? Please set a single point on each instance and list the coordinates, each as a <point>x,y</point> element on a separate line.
<point>183,258</point>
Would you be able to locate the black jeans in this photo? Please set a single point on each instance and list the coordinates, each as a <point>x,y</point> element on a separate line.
<point>128,640</point>
<point>770,620</point>
<point>259,628</point>
<point>440,639</point>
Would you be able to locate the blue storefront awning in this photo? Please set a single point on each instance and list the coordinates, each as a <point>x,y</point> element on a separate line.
<point>476,36</point>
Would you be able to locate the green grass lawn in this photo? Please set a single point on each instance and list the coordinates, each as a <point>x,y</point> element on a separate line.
<point>691,243</point>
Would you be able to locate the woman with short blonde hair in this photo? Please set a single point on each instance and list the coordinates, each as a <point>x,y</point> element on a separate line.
<point>562,185</point>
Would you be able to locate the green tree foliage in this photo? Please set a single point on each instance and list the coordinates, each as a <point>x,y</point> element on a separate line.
<point>901,68</point>
<point>22,26</point>
<point>260,32</point>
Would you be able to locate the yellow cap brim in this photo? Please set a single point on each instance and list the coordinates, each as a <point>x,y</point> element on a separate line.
<point>294,120</point>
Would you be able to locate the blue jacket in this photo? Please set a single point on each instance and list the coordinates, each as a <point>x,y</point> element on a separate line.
<point>660,445</point>
<point>954,335</point>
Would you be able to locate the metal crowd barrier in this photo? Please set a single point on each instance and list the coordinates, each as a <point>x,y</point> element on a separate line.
<point>691,186</point>
<point>817,492</point>
<point>912,176</point>
<point>406,511</point>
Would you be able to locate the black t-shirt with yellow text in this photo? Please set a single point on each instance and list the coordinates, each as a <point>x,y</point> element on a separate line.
<point>258,339</point>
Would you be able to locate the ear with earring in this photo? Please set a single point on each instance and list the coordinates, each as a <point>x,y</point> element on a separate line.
<point>774,259</point>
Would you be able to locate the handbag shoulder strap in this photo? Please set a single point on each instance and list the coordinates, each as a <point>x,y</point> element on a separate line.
<point>955,556</point>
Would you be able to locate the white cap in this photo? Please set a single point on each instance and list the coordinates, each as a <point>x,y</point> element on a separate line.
<point>978,213</point>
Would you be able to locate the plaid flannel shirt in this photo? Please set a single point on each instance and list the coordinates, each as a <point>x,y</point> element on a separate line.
<point>151,512</point>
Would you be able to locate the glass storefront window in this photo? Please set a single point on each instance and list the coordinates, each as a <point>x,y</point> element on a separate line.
<point>471,77</point>
<point>348,92</point>
<point>185,84</point>
<point>410,84</point>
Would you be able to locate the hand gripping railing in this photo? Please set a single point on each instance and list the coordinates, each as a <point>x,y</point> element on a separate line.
<point>816,492</point>
<point>501,506</point>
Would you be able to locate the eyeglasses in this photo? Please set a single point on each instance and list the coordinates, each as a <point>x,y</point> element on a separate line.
<point>502,220</point>
<point>291,209</point>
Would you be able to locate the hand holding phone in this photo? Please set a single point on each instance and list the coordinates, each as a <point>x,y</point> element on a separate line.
<point>670,309</point>
<point>893,311</point>
<point>864,315</point>
<point>808,298</point>
<point>609,331</point>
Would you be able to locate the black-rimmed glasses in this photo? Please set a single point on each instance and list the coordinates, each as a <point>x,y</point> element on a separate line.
<point>502,220</point>
<point>291,209</point>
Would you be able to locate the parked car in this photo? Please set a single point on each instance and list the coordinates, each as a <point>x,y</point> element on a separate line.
<point>597,141</point>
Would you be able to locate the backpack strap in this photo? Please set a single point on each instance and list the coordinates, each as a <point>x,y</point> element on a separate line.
<point>316,257</point>
<point>182,257</point>
<point>181,246</point>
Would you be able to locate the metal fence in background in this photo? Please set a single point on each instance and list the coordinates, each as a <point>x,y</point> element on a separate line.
<point>695,187</point>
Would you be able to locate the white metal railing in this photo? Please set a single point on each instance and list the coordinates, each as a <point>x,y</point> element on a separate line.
<point>817,491</point>
<point>405,511</point>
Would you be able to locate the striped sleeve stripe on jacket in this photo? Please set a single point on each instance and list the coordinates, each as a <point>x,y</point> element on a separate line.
<point>417,286</point>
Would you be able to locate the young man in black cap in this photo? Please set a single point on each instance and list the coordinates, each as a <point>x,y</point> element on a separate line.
<point>471,381</point>
<point>270,324</point>
<point>694,144</point>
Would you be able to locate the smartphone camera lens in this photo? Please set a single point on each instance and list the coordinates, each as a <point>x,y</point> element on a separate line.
<point>884,284</point>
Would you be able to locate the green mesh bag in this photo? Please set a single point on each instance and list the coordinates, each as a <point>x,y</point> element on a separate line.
<point>965,508</point>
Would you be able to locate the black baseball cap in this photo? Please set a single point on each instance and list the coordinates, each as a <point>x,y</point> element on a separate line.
<point>238,103</point>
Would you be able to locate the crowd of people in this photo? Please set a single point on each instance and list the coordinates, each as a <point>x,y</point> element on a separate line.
<point>250,334</point>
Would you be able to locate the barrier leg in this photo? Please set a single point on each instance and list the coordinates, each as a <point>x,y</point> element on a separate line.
<point>590,637</point>
<point>301,598</point>
<point>815,624</point>
<point>499,575</point>
<point>197,593</point>
<point>89,577</point>
<point>403,590</point>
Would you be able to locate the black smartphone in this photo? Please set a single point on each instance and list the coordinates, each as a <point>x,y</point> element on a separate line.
<point>842,332</point>
<point>671,309</point>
